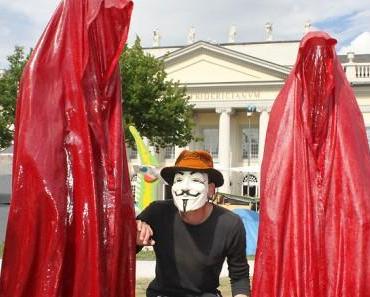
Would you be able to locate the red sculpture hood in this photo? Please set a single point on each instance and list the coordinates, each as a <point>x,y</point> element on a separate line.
<point>314,236</point>
<point>71,228</point>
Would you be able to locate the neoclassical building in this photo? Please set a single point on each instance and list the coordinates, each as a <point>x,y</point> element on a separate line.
<point>232,87</point>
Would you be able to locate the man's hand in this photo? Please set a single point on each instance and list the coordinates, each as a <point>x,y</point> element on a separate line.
<point>144,234</point>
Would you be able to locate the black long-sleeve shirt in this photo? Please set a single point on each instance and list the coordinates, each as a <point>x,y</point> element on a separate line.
<point>189,258</point>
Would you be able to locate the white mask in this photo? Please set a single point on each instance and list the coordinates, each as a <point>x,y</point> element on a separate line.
<point>190,190</point>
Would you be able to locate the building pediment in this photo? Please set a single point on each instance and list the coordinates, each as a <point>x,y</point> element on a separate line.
<point>203,62</point>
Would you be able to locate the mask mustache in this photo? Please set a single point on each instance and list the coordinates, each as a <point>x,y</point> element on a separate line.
<point>187,192</point>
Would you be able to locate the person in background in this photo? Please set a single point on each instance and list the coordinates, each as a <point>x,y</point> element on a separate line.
<point>191,236</point>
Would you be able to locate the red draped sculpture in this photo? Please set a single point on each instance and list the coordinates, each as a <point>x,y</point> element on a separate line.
<point>71,228</point>
<point>314,236</point>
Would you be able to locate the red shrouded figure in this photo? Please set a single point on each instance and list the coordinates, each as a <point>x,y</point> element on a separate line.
<point>71,228</point>
<point>314,237</point>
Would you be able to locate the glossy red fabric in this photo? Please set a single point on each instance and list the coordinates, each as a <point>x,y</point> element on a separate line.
<point>71,229</point>
<point>314,236</point>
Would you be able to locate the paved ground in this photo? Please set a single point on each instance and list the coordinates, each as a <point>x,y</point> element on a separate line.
<point>4,210</point>
<point>146,269</point>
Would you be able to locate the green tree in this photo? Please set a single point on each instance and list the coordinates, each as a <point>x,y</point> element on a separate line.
<point>8,93</point>
<point>158,107</point>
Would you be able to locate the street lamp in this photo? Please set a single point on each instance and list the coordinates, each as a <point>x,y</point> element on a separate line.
<point>250,110</point>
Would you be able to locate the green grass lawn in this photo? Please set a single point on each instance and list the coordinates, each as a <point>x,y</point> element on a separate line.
<point>149,255</point>
<point>142,284</point>
<point>145,255</point>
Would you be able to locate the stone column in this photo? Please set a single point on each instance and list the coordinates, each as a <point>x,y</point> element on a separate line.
<point>224,146</point>
<point>263,122</point>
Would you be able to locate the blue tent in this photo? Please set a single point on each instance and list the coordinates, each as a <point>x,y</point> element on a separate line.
<point>251,222</point>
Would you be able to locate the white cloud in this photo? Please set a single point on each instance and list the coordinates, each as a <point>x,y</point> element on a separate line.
<point>37,10</point>
<point>22,22</point>
<point>212,19</point>
<point>360,45</point>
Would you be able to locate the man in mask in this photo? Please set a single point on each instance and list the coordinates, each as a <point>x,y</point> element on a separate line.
<point>191,236</point>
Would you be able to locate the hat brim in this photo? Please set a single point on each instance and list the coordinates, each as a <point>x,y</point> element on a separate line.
<point>214,176</point>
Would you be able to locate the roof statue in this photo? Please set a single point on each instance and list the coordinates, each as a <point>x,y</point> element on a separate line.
<point>268,29</point>
<point>156,38</point>
<point>307,27</point>
<point>232,34</point>
<point>191,35</point>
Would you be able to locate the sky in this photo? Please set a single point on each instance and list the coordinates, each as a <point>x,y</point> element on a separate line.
<point>23,21</point>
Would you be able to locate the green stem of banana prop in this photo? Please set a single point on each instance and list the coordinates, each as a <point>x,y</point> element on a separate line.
<point>147,174</point>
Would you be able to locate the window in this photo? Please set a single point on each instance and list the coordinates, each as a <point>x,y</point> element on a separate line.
<point>169,152</point>
<point>250,189</point>
<point>250,185</point>
<point>210,141</point>
<point>250,143</point>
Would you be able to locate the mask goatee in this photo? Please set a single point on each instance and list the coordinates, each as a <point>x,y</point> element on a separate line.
<point>184,203</point>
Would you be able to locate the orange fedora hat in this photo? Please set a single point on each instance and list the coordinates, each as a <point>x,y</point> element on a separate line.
<point>198,160</point>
